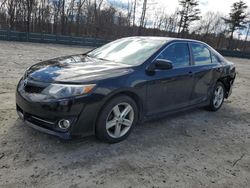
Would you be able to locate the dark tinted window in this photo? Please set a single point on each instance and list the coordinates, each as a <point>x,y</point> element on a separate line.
<point>201,54</point>
<point>177,53</point>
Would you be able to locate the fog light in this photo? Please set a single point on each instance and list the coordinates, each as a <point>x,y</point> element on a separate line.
<point>64,124</point>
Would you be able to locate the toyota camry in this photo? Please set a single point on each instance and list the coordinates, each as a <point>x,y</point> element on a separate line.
<point>107,91</point>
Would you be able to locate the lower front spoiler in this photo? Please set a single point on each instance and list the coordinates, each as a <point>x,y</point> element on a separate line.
<point>65,136</point>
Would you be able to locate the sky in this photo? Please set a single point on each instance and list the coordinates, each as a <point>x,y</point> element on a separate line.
<point>170,6</point>
<point>222,6</point>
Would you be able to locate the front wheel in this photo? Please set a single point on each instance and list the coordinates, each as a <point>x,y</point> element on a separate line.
<point>117,119</point>
<point>217,98</point>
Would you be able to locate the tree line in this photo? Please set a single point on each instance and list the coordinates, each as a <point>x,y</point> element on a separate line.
<point>104,19</point>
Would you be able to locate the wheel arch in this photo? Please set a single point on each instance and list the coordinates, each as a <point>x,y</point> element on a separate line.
<point>226,82</point>
<point>128,93</point>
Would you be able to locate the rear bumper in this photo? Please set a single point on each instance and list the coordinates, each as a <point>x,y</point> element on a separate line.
<point>231,82</point>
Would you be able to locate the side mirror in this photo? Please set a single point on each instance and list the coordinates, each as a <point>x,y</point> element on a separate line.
<point>160,64</point>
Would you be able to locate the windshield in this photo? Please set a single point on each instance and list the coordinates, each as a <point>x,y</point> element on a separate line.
<point>131,51</point>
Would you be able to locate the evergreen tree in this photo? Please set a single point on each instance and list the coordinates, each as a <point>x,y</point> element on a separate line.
<point>237,18</point>
<point>188,13</point>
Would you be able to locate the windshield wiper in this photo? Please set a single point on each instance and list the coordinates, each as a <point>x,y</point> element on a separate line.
<point>98,58</point>
<point>88,55</point>
<point>102,59</point>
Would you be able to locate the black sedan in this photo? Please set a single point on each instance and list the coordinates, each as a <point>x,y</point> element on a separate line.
<point>106,91</point>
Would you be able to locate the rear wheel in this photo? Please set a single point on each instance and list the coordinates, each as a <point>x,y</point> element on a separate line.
<point>117,119</point>
<point>217,98</point>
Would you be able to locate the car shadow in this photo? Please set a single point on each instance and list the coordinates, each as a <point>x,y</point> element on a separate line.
<point>181,127</point>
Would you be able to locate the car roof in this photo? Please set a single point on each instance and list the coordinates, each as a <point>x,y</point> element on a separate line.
<point>172,39</point>
<point>167,39</point>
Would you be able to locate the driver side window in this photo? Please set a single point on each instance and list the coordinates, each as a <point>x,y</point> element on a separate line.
<point>177,53</point>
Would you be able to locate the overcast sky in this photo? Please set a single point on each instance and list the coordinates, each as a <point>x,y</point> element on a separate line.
<point>205,5</point>
<point>169,6</point>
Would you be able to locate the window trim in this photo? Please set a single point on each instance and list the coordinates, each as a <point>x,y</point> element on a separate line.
<point>218,59</point>
<point>177,42</point>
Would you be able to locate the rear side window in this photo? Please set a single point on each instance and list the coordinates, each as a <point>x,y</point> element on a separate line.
<point>215,59</point>
<point>177,53</point>
<point>201,54</point>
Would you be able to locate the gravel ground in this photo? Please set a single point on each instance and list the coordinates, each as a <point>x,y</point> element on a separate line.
<point>192,149</point>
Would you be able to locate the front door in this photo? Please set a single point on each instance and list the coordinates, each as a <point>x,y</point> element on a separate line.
<point>169,90</point>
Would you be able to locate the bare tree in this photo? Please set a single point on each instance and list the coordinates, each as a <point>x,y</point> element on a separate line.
<point>80,4</point>
<point>62,16</point>
<point>11,6</point>
<point>134,12</point>
<point>29,5</point>
<point>144,8</point>
<point>142,19</point>
<point>97,8</point>
<point>130,12</point>
<point>99,18</point>
<point>173,22</point>
<point>70,15</point>
<point>247,34</point>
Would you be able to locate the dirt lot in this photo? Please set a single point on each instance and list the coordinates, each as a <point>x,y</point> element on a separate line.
<point>192,149</point>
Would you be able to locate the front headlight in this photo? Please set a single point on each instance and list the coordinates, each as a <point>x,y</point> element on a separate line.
<point>59,91</point>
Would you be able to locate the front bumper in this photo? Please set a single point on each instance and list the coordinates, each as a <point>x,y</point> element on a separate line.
<point>44,116</point>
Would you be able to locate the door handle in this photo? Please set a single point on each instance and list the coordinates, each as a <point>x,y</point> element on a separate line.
<point>190,73</point>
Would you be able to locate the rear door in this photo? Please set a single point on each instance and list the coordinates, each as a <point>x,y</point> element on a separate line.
<point>205,69</point>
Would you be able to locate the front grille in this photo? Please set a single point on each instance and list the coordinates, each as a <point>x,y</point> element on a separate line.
<point>48,124</point>
<point>43,121</point>
<point>40,121</point>
<point>33,89</point>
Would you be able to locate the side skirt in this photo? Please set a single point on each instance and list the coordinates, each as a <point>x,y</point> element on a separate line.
<point>164,114</point>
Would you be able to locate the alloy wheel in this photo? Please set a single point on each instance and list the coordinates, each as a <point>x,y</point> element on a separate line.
<point>218,96</point>
<point>120,120</point>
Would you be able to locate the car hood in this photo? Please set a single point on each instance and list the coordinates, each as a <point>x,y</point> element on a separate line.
<point>76,68</point>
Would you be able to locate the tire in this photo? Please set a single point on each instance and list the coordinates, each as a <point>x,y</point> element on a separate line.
<point>117,119</point>
<point>213,105</point>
